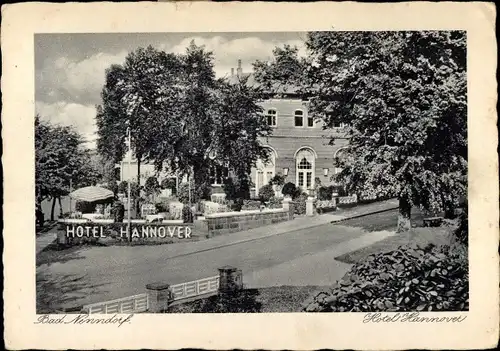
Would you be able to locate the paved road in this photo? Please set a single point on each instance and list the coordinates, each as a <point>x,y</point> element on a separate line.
<point>300,257</point>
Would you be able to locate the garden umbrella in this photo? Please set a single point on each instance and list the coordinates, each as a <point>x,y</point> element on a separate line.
<point>92,194</point>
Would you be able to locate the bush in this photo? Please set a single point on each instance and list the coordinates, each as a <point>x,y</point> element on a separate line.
<point>325,192</point>
<point>300,204</point>
<point>407,279</point>
<point>289,189</point>
<point>275,202</point>
<point>169,183</point>
<point>278,180</point>
<point>187,214</point>
<point>266,193</point>
<point>183,194</point>
<point>85,207</point>
<point>462,232</point>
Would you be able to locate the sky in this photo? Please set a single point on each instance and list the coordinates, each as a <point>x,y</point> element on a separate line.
<point>69,68</point>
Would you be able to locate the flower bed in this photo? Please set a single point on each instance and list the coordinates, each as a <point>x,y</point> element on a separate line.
<point>324,206</point>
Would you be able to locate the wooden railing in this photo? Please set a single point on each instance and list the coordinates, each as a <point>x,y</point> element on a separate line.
<point>131,304</point>
<point>195,288</point>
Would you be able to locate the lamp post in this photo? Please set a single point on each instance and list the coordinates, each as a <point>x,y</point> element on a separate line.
<point>129,180</point>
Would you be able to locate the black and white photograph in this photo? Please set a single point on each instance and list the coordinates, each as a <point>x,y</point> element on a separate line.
<point>262,175</point>
<point>251,172</point>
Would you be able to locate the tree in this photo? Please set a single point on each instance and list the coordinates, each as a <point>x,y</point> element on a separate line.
<point>141,95</point>
<point>152,187</point>
<point>216,118</point>
<point>403,96</point>
<point>60,162</point>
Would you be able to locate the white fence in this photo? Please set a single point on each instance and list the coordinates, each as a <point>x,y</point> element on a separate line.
<point>140,303</point>
<point>132,304</point>
<point>195,288</point>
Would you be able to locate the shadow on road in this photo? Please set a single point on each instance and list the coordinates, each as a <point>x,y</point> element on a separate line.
<point>54,292</point>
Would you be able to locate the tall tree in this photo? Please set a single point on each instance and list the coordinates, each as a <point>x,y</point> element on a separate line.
<point>213,118</point>
<point>60,162</point>
<point>403,96</point>
<point>136,95</point>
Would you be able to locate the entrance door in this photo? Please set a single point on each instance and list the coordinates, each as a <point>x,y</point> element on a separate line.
<point>305,169</point>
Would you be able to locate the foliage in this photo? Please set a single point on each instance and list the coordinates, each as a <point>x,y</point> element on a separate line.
<point>237,188</point>
<point>278,180</point>
<point>289,189</point>
<point>61,162</point>
<point>408,279</point>
<point>300,204</point>
<point>462,232</point>
<point>184,193</point>
<point>178,113</point>
<point>266,193</point>
<point>187,214</point>
<point>123,189</point>
<point>325,192</point>
<point>403,97</point>
<point>85,207</point>
<point>169,183</point>
<point>275,202</point>
<point>152,186</point>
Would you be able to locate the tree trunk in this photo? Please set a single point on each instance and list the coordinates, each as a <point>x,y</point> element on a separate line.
<point>60,207</point>
<point>53,208</point>
<point>404,217</point>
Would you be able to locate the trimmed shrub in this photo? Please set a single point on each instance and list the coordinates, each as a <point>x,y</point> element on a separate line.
<point>289,189</point>
<point>407,279</point>
<point>169,183</point>
<point>266,193</point>
<point>300,204</point>
<point>187,214</point>
<point>325,192</point>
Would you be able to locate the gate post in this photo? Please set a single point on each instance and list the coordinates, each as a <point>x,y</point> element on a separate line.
<point>230,279</point>
<point>159,296</point>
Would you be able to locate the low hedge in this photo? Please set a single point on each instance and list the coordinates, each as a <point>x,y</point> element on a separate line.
<point>407,279</point>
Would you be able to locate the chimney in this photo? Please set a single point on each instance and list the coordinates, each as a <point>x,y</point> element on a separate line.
<point>232,72</point>
<point>239,70</point>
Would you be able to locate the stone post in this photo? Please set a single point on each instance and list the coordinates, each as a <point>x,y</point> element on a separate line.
<point>230,279</point>
<point>159,296</point>
<point>310,206</point>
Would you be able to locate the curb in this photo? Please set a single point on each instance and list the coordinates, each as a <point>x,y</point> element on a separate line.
<point>363,215</point>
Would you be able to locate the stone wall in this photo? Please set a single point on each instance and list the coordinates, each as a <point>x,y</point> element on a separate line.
<point>231,222</point>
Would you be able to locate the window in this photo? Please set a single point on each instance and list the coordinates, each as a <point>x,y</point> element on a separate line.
<point>218,174</point>
<point>305,163</point>
<point>271,118</point>
<point>299,118</point>
<point>310,121</point>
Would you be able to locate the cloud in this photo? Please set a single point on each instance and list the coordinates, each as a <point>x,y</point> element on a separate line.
<point>228,51</point>
<point>80,117</point>
<point>80,81</point>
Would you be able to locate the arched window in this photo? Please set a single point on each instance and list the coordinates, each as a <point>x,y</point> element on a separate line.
<point>272,117</point>
<point>305,168</point>
<point>299,118</point>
